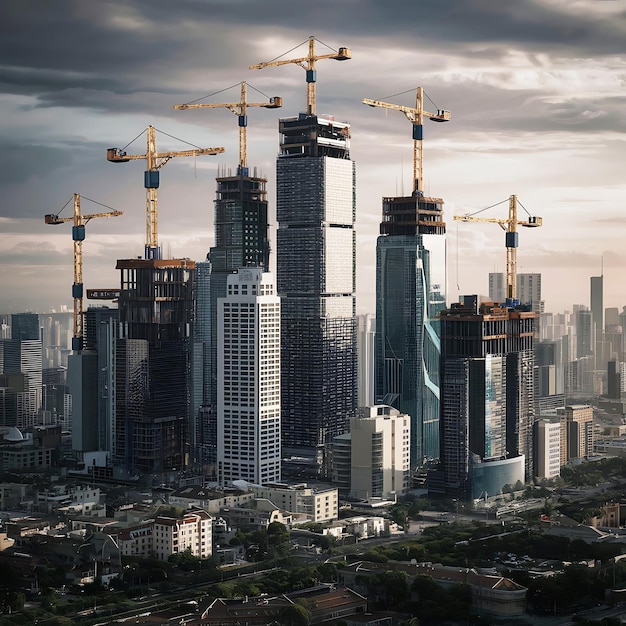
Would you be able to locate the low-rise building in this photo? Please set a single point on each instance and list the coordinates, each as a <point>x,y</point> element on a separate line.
<point>192,531</point>
<point>318,503</point>
<point>211,500</point>
<point>491,594</point>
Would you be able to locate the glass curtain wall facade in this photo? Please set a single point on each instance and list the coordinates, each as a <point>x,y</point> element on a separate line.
<point>410,294</point>
<point>487,396</point>
<point>316,280</point>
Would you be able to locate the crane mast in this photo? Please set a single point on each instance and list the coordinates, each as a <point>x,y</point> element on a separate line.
<point>308,64</point>
<point>239,109</point>
<point>78,235</point>
<point>509,225</point>
<point>154,162</point>
<point>415,115</point>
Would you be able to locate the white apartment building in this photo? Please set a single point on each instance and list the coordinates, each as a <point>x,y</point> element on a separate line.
<point>547,448</point>
<point>248,379</point>
<point>319,504</point>
<point>380,464</point>
<point>192,531</point>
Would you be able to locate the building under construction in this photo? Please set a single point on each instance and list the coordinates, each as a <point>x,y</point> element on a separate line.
<point>316,272</point>
<point>152,364</point>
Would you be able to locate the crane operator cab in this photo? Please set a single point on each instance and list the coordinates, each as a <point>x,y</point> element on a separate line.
<point>115,155</point>
<point>441,116</point>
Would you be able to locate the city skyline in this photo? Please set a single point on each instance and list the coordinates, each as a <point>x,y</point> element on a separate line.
<point>533,88</point>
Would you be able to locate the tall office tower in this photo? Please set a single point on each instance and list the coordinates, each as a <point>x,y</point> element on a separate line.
<point>576,431</point>
<point>487,397</point>
<point>241,240</point>
<point>410,294</point>
<point>152,364</point>
<point>380,459</point>
<point>497,287</point>
<point>316,280</point>
<point>101,327</point>
<point>248,376</point>
<point>584,333</point>
<point>365,351</point>
<point>91,381</point>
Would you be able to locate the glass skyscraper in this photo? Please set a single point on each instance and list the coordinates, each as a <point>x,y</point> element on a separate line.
<point>487,396</point>
<point>316,281</point>
<point>410,293</point>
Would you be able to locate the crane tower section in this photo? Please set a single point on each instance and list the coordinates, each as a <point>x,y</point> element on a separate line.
<point>78,235</point>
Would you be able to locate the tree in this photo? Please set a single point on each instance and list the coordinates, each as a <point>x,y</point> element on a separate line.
<point>295,615</point>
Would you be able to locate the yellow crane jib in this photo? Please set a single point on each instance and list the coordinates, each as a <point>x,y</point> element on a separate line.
<point>511,242</point>
<point>239,109</point>
<point>155,161</point>
<point>308,64</point>
<point>415,115</point>
<point>78,236</point>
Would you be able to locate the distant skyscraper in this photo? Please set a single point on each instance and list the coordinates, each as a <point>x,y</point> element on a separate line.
<point>497,287</point>
<point>584,333</point>
<point>25,326</point>
<point>410,294</point>
<point>248,398</point>
<point>316,272</point>
<point>597,321</point>
<point>487,394</point>
<point>366,342</point>
<point>528,289</point>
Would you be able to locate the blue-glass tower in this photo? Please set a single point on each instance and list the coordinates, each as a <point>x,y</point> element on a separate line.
<point>410,293</point>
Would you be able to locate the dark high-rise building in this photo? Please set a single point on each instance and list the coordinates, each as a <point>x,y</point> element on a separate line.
<point>410,294</point>
<point>152,364</point>
<point>584,333</point>
<point>487,394</point>
<point>25,327</point>
<point>316,281</point>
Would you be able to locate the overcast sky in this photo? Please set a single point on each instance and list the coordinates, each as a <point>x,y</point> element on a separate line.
<point>535,89</point>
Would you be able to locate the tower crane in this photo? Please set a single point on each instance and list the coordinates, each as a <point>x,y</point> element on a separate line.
<point>155,161</point>
<point>78,235</point>
<point>509,225</point>
<point>239,109</point>
<point>308,64</point>
<point>415,115</point>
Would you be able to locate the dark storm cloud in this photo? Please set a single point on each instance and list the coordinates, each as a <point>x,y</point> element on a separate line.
<point>117,46</point>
